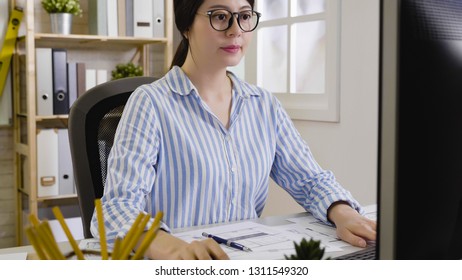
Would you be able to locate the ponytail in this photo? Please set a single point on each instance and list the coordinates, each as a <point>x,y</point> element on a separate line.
<point>181,53</point>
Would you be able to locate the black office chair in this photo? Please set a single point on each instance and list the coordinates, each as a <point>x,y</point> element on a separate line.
<point>93,120</point>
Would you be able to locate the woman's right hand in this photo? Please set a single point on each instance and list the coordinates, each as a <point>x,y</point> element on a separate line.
<point>168,247</point>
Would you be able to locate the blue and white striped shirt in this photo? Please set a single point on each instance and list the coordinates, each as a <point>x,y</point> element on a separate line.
<point>172,154</point>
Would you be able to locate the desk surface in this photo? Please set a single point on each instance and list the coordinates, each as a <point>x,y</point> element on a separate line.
<point>284,222</point>
<point>275,222</point>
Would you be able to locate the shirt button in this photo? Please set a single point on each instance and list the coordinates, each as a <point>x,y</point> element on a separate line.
<point>233,169</point>
<point>228,138</point>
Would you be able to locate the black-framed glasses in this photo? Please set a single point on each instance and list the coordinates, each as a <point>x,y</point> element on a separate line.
<point>221,19</point>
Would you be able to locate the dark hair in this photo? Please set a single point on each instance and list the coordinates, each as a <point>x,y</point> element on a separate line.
<point>185,12</point>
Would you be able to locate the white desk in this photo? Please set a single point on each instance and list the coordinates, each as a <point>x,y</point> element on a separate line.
<point>287,223</point>
<point>271,222</point>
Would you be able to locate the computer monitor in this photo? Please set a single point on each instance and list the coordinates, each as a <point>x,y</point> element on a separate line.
<point>420,141</point>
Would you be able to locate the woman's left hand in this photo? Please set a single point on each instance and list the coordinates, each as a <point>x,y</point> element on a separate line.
<point>351,226</point>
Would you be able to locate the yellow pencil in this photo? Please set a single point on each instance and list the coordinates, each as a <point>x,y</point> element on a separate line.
<point>48,232</point>
<point>48,241</point>
<point>116,250</point>
<point>149,236</point>
<point>34,220</point>
<point>36,224</point>
<point>101,229</point>
<point>131,242</point>
<point>131,231</point>
<point>68,233</point>
<point>31,235</point>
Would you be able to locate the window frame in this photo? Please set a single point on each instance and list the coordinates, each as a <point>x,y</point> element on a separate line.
<point>306,106</point>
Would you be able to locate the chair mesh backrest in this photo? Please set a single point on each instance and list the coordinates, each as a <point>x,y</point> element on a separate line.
<point>93,121</point>
<point>101,125</point>
<point>106,131</point>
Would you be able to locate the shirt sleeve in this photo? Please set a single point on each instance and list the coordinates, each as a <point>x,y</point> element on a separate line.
<point>296,170</point>
<point>131,167</point>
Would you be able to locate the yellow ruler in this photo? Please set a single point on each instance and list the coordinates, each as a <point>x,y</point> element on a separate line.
<point>8,45</point>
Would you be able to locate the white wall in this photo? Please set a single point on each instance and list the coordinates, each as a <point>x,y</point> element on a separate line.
<point>348,148</point>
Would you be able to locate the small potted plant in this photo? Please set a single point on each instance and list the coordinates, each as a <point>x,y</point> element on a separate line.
<point>126,70</point>
<point>307,250</point>
<point>61,12</point>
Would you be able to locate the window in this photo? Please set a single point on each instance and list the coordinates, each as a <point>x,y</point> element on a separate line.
<point>295,55</point>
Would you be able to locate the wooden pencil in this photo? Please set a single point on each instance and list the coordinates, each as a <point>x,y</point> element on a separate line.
<point>149,237</point>
<point>32,236</point>
<point>116,250</point>
<point>101,229</point>
<point>48,241</point>
<point>42,240</point>
<point>131,231</point>
<point>133,240</point>
<point>59,216</point>
<point>48,232</point>
<point>44,243</point>
<point>34,220</point>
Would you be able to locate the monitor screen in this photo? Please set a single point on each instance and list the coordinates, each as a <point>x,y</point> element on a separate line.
<point>420,141</point>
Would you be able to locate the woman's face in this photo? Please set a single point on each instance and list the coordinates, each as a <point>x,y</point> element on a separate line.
<point>218,49</point>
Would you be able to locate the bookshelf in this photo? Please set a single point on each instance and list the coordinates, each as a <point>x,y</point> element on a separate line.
<point>153,54</point>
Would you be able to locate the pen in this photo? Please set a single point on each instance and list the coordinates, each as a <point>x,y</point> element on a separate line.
<point>228,243</point>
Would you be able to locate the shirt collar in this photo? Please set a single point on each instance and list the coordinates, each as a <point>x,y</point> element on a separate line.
<point>179,83</point>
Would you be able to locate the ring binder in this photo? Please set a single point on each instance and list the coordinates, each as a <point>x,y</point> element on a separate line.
<point>60,88</point>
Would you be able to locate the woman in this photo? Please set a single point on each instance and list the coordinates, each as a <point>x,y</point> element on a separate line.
<point>200,144</point>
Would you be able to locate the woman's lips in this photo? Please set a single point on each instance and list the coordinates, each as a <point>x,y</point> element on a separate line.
<point>231,48</point>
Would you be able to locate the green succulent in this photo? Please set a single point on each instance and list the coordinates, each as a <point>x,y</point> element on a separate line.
<point>307,250</point>
<point>126,70</point>
<point>62,6</point>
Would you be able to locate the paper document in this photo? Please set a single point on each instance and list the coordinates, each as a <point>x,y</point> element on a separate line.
<point>310,227</point>
<point>266,242</point>
<point>90,244</point>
